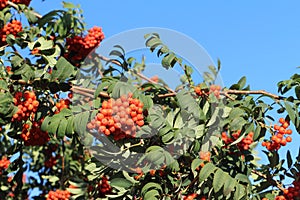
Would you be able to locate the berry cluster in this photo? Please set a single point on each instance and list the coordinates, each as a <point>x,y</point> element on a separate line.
<point>278,139</point>
<point>190,196</point>
<point>79,47</point>
<point>204,156</point>
<point>213,89</point>
<point>50,149</point>
<point>34,136</point>
<point>244,144</point>
<point>26,2</point>
<point>63,103</point>
<point>27,105</point>
<point>11,28</point>
<point>119,117</point>
<point>59,195</point>
<point>3,4</point>
<point>35,51</point>
<point>4,163</point>
<point>293,192</point>
<point>51,161</point>
<point>281,197</point>
<point>103,187</point>
<point>200,92</point>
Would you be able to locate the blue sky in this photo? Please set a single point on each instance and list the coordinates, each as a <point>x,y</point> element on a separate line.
<point>258,39</point>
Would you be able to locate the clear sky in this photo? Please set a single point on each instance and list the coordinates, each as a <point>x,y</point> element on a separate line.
<point>258,39</point>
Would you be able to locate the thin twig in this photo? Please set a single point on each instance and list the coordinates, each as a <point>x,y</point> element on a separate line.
<point>88,92</point>
<point>269,179</point>
<point>16,7</point>
<point>142,76</point>
<point>262,92</point>
<point>82,93</point>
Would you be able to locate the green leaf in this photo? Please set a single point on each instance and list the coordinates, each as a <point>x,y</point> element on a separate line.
<point>80,122</point>
<point>239,192</point>
<point>290,112</point>
<point>152,194</point>
<point>188,103</point>
<point>289,159</point>
<point>121,88</point>
<point>120,182</point>
<point>62,128</point>
<point>219,180</point>
<point>229,185</point>
<point>169,60</point>
<point>237,123</point>
<point>129,178</point>
<point>195,164</point>
<point>206,171</point>
<point>151,186</point>
<point>62,70</point>
<point>242,82</point>
<point>242,178</point>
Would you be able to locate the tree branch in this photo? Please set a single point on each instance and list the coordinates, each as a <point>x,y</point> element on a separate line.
<point>269,179</point>
<point>261,92</point>
<point>16,7</point>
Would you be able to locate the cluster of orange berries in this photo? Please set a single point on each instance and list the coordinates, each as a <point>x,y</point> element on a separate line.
<point>79,47</point>
<point>34,136</point>
<point>244,144</point>
<point>293,192</point>
<point>119,117</point>
<point>103,187</point>
<point>4,163</point>
<point>13,28</point>
<point>27,105</point>
<point>51,161</point>
<point>63,103</point>
<point>190,196</point>
<point>204,156</point>
<point>59,195</point>
<point>278,139</point>
<point>3,4</point>
<point>215,89</point>
<point>26,2</point>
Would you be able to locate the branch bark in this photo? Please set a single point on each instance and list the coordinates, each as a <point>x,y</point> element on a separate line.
<point>261,92</point>
<point>16,7</point>
<point>269,179</point>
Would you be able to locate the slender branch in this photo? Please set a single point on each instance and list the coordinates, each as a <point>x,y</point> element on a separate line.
<point>16,7</point>
<point>153,82</point>
<point>269,179</point>
<point>82,93</point>
<point>109,60</point>
<point>262,92</point>
<point>192,183</point>
<point>88,92</point>
<point>3,47</point>
<point>167,95</point>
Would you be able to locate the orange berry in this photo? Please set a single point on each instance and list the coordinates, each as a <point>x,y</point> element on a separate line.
<point>276,127</point>
<point>283,142</point>
<point>285,125</point>
<point>281,120</point>
<point>288,138</point>
<point>282,130</point>
<point>289,132</point>
<point>107,132</point>
<point>140,123</point>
